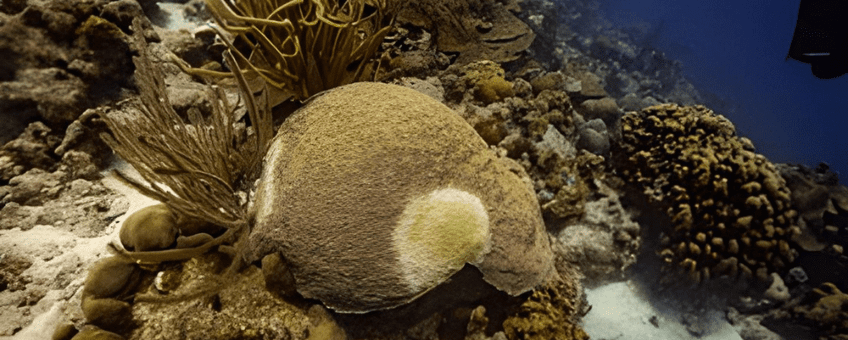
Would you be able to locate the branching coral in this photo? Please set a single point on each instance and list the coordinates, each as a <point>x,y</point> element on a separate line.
<point>303,46</point>
<point>729,206</point>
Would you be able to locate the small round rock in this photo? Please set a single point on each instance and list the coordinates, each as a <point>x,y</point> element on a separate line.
<point>151,228</point>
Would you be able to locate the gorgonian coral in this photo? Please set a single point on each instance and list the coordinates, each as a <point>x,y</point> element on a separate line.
<point>196,166</point>
<point>304,46</point>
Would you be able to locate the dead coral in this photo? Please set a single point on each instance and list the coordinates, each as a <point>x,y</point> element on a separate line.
<point>304,47</point>
<point>729,206</point>
<point>536,130</point>
<point>473,29</point>
<point>242,310</point>
<point>822,206</point>
<point>601,244</point>
<point>38,197</point>
<point>11,267</point>
<point>571,180</point>
<point>411,53</point>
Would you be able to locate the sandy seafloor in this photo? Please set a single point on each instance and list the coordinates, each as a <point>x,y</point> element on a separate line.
<point>60,257</point>
<point>54,249</point>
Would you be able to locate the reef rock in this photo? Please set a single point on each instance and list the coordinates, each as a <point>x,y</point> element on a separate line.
<point>61,57</point>
<point>474,29</point>
<point>374,194</point>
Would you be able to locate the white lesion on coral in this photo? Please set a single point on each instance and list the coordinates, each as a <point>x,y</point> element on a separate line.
<point>437,234</point>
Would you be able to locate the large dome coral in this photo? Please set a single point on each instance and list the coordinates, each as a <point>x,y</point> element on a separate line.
<point>729,206</point>
<point>375,194</point>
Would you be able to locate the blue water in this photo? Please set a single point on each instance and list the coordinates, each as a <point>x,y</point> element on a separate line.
<point>737,50</point>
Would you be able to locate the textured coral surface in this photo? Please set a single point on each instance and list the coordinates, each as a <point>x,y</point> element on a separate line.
<point>729,206</point>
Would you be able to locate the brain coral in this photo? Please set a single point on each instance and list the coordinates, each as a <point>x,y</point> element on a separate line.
<point>729,206</point>
<point>375,193</point>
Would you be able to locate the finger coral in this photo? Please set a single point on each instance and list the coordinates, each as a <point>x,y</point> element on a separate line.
<point>729,206</point>
<point>548,313</point>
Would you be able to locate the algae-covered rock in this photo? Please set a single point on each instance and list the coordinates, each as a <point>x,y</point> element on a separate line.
<point>94,333</point>
<point>109,283</point>
<point>374,194</point>
<point>151,228</point>
<point>475,29</point>
<point>30,150</point>
<point>829,313</point>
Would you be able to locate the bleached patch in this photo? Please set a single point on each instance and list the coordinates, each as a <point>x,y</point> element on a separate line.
<point>437,234</point>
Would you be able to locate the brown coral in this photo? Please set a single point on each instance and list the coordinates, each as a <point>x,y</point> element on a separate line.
<point>729,206</point>
<point>385,154</point>
<point>547,314</point>
<point>482,81</point>
<point>474,29</point>
<point>822,206</point>
<point>830,312</point>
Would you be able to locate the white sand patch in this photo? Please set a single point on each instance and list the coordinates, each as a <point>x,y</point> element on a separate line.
<point>618,312</point>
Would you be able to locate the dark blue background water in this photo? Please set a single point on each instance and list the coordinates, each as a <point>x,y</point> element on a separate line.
<point>737,50</point>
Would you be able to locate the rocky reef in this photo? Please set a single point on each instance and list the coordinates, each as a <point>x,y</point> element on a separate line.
<point>531,135</point>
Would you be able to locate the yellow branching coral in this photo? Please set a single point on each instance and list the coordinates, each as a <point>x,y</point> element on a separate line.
<point>303,47</point>
<point>548,313</point>
<point>729,207</point>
